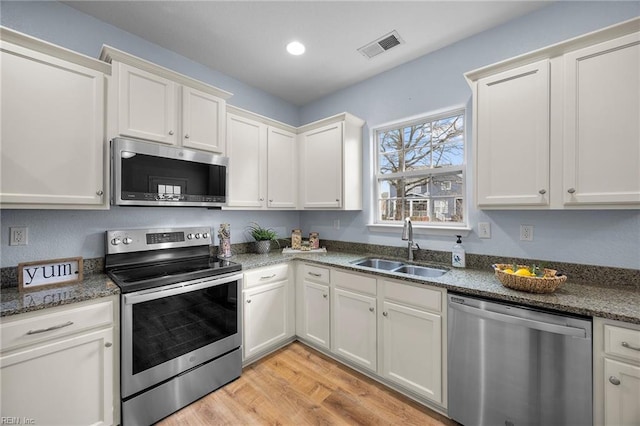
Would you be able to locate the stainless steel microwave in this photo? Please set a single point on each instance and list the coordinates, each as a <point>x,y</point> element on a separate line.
<point>150,174</point>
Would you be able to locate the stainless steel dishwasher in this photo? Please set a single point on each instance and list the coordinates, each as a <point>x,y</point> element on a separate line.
<point>511,365</point>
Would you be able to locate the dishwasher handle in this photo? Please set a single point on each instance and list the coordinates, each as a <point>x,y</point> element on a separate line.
<point>538,325</point>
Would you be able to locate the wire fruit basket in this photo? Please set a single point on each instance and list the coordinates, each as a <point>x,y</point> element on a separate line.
<point>548,283</point>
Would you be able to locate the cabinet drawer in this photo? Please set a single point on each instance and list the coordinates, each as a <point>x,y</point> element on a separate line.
<point>422,297</point>
<point>622,342</point>
<point>47,325</point>
<point>354,282</point>
<point>315,273</point>
<point>267,275</point>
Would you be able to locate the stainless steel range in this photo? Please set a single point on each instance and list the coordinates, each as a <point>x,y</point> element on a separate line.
<point>180,319</point>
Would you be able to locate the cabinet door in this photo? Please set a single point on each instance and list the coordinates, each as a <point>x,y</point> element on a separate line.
<point>412,349</point>
<point>146,105</point>
<point>203,121</point>
<point>282,170</point>
<point>68,382</point>
<point>246,147</point>
<point>601,134</point>
<point>52,131</point>
<point>621,406</point>
<point>354,327</point>
<point>316,320</point>
<point>321,174</point>
<point>266,319</point>
<point>512,141</point>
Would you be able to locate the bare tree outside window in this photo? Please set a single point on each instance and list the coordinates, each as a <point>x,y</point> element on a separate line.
<point>420,170</point>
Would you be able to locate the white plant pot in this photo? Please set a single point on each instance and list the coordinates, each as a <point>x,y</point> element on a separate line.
<point>263,247</point>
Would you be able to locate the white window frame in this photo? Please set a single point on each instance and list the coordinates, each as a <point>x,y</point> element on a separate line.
<point>434,228</point>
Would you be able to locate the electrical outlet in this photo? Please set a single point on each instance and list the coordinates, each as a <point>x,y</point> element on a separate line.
<point>336,224</point>
<point>526,232</point>
<point>484,230</point>
<point>18,236</point>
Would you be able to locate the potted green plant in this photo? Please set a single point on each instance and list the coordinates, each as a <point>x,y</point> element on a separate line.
<point>263,237</point>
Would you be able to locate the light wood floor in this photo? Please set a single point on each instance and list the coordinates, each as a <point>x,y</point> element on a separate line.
<point>300,386</point>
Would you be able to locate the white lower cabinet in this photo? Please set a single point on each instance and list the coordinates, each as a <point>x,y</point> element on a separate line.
<point>354,327</point>
<point>394,330</point>
<point>267,310</point>
<point>316,313</point>
<point>413,343</point>
<point>354,318</point>
<point>616,358</point>
<point>313,304</point>
<point>57,365</point>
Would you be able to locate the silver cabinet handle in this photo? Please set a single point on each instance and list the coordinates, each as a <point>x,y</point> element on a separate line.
<point>313,274</point>
<point>386,314</point>
<point>614,380</point>
<point>371,309</point>
<point>186,136</point>
<point>108,345</point>
<point>271,200</point>
<point>571,190</point>
<point>628,346</point>
<point>337,200</point>
<point>542,191</point>
<point>54,327</point>
<point>261,199</point>
<point>324,295</point>
<point>100,192</point>
<point>248,300</point>
<point>171,132</point>
<point>268,277</point>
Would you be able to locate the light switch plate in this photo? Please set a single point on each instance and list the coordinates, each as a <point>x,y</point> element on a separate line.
<point>484,230</point>
<point>18,236</point>
<point>526,232</point>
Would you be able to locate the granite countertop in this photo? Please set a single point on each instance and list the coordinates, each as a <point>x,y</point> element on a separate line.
<point>591,299</point>
<point>93,286</point>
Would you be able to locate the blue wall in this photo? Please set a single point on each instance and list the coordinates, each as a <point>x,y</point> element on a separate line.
<point>430,83</point>
<point>435,82</point>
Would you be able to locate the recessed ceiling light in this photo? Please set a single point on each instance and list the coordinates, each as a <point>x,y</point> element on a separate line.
<point>295,48</point>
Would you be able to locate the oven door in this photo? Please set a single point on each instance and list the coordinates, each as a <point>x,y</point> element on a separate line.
<point>169,330</point>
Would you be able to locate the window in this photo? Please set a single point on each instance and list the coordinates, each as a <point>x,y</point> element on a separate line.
<point>420,170</point>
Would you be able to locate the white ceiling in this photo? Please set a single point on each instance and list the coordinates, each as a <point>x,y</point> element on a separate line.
<point>246,39</point>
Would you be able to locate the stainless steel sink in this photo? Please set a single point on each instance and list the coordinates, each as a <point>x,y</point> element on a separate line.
<point>401,267</point>
<point>423,271</point>
<point>386,265</point>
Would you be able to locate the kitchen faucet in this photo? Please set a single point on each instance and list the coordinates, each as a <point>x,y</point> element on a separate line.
<point>407,235</point>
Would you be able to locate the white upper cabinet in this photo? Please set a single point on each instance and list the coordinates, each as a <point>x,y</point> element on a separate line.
<point>558,128</point>
<point>246,147</point>
<point>153,103</point>
<point>512,140</point>
<point>146,105</point>
<point>282,168</point>
<point>262,162</point>
<point>202,120</point>
<point>602,130</point>
<point>52,126</point>
<point>331,163</point>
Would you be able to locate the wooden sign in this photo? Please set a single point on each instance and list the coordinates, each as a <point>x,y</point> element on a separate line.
<point>49,273</point>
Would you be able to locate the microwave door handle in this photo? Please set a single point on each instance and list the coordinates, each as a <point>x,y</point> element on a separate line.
<point>510,319</point>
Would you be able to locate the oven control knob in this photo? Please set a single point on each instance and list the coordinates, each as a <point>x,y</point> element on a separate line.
<point>198,236</point>
<point>127,240</point>
<point>205,235</point>
<point>115,241</point>
<point>190,236</point>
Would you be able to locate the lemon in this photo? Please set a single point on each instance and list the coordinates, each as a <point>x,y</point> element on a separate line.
<point>508,271</point>
<point>523,272</point>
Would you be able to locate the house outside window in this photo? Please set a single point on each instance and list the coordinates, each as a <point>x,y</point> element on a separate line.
<point>420,170</point>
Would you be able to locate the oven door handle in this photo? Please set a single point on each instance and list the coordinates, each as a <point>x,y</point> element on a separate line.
<point>158,293</point>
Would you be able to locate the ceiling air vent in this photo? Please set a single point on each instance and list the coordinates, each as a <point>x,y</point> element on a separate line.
<point>383,44</point>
